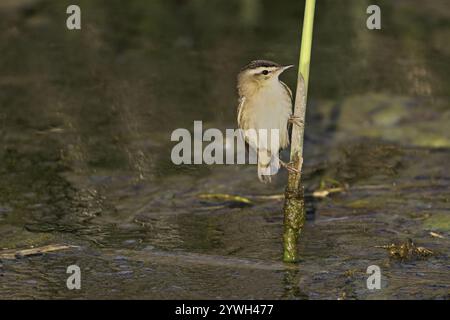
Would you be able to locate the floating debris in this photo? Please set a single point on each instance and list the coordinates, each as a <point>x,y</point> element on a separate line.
<point>406,251</point>
<point>51,130</point>
<point>329,182</point>
<point>351,273</point>
<point>16,254</point>
<point>436,235</point>
<point>325,192</point>
<point>222,197</point>
<point>269,197</point>
<point>328,186</point>
<point>342,296</point>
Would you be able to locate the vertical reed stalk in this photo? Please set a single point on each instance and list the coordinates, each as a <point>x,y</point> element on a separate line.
<point>294,205</point>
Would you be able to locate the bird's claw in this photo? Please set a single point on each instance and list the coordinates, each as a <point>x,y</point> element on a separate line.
<point>289,167</point>
<point>296,120</point>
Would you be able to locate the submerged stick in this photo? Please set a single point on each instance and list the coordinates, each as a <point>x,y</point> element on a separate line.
<point>294,205</point>
<point>14,254</point>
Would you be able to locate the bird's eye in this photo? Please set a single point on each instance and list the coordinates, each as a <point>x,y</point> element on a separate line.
<point>265,72</point>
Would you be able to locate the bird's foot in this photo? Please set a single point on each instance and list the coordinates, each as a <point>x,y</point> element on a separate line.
<point>296,120</point>
<point>289,167</point>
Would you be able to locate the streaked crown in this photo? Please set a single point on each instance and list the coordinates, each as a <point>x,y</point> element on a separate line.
<point>255,64</point>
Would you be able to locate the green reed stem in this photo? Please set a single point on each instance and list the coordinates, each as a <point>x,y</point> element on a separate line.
<point>294,205</point>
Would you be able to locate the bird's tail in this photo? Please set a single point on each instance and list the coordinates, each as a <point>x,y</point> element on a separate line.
<point>268,165</point>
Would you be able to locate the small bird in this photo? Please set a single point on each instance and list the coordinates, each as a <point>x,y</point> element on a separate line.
<point>265,102</point>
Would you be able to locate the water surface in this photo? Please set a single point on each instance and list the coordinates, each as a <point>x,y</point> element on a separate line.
<point>85,124</point>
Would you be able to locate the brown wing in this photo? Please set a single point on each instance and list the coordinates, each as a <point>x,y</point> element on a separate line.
<point>288,90</point>
<point>239,120</point>
<point>239,111</point>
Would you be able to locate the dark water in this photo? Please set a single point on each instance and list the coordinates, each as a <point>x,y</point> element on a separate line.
<point>85,124</point>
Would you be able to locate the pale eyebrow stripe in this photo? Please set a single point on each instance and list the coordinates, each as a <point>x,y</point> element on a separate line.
<point>261,69</point>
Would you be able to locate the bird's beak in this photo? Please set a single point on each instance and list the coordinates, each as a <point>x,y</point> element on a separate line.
<point>282,69</point>
<point>287,67</point>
